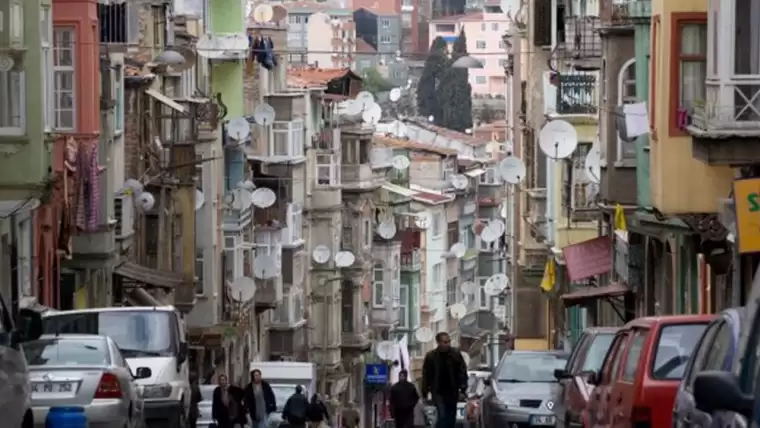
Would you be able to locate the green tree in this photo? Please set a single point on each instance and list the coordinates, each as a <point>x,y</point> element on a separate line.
<point>427,87</point>
<point>487,114</point>
<point>374,82</point>
<point>456,92</point>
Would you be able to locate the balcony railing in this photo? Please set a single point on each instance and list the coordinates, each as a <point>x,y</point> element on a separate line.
<point>411,260</point>
<point>730,105</point>
<point>360,177</point>
<point>576,93</point>
<point>614,13</point>
<point>582,40</point>
<point>272,217</point>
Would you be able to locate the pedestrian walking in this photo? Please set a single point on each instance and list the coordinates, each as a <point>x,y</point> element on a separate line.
<point>444,378</point>
<point>195,399</point>
<point>227,408</point>
<point>350,416</point>
<point>259,400</point>
<point>317,413</point>
<point>296,409</point>
<point>404,397</point>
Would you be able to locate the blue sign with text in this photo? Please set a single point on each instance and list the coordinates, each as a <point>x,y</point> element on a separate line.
<point>376,374</point>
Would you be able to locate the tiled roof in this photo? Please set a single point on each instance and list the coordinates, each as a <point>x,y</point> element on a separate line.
<point>310,77</point>
<point>385,7</point>
<point>385,141</point>
<point>448,133</point>
<point>363,47</point>
<point>428,196</point>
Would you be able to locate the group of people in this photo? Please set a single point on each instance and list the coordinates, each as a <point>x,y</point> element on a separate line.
<point>232,406</point>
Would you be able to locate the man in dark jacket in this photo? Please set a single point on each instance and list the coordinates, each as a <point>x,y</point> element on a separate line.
<point>404,397</point>
<point>296,409</point>
<point>259,400</point>
<point>444,376</point>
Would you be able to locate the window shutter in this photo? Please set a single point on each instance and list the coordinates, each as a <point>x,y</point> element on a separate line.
<point>543,23</point>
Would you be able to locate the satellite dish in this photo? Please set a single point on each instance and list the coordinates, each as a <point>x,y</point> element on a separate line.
<point>263,197</point>
<point>431,118</point>
<point>594,164</point>
<point>200,199</point>
<point>492,231</point>
<point>132,187</point>
<point>242,289</point>
<point>424,335</point>
<point>344,259</point>
<point>238,128</point>
<point>387,229</point>
<point>321,254</point>
<point>241,199</point>
<point>558,139</point>
<point>264,114</point>
<point>365,98</point>
<point>512,170</point>
<point>145,201</point>
<point>265,267</point>
<point>458,250</point>
<point>400,162</point>
<point>372,114</point>
<point>459,181</point>
<point>395,94</point>
<point>495,284</point>
<point>278,13</point>
<point>187,61</point>
<point>385,349</point>
<point>458,311</point>
<point>351,107</point>
<point>468,287</point>
<point>246,185</point>
<point>263,13</point>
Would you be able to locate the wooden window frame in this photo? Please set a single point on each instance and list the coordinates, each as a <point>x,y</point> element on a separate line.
<point>677,22</point>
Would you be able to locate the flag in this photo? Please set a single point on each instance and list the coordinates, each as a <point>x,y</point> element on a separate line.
<point>620,218</point>
<point>547,282</point>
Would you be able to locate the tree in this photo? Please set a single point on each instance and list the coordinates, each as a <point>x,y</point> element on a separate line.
<point>456,92</point>
<point>374,82</point>
<point>427,87</point>
<point>487,114</point>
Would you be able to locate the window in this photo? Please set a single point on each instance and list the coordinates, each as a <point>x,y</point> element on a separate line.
<point>627,95</point>
<point>367,233</point>
<point>346,309</point>
<point>452,291</point>
<point>692,66</point>
<point>480,44</point>
<point>437,276</point>
<point>494,26</point>
<point>294,19</point>
<point>719,348</point>
<point>576,179</point>
<point>617,357</point>
<point>385,23</point>
<point>502,63</point>
<point>700,357</point>
<point>484,301</point>
<point>385,39</point>
<point>119,98</point>
<point>48,90</point>
<point>445,28</point>
<point>480,80</point>
<point>674,347</point>
<point>438,224</point>
<point>328,170</point>
<point>633,356</point>
<point>199,170</point>
<point>295,223</point>
<point>403,306</point>
<point>595,354</point>
<point>286,139</point>
<point>297,300</point>
<point>452,235</point>
<point>378,285</point>
<point>54,352</point>
<point>12,102</point>
<point>576,93</point>
<point>502,45</point>
<point>199,289</point>
<point>64,69</point>
<point>490,177</point>
<point>482,26</point>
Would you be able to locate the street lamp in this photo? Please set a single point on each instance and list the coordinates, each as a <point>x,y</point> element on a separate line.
<point>467,62</point>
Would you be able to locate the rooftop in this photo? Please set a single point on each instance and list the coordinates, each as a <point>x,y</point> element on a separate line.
<point>387,141</point>
<point>384,7</point>
<point>429,196</point>
<point>471,140</point>
<point>310,77</point>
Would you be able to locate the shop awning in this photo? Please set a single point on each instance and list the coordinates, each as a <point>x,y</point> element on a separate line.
<point>149,276</point>
<point>399,190</point>
<point>587,294</point>
<point>163,99</point>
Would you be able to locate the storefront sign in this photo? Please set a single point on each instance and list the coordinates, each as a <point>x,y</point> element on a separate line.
<point>376,374</point>
<point>747,197</point>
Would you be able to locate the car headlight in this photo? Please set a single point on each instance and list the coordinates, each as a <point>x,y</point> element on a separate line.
<point>161,390</point>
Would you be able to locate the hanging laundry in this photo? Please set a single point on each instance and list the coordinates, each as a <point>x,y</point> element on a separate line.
<point>82,166</point>
<point>270,52</point>
<point>260,52</point>
<point>93,187</point>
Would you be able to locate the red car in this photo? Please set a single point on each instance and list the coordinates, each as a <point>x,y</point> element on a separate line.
<point>637,384</point>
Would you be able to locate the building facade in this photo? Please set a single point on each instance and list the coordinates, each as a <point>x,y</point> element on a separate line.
<point>318,51</point>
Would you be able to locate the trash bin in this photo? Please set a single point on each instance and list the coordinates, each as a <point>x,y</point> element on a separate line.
<point>66,417</point>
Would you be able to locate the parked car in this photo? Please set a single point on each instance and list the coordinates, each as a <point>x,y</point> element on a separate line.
<point>205,418</point>
<point>574,390</point>
<point>521,389</point>
<point>715,351</point>
<point>85,371</point>
<point>641,372</point>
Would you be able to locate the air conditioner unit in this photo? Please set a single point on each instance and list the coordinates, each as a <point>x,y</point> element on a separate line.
<point>124,209</point>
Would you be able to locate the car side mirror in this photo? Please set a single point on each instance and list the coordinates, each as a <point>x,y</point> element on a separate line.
<point>560,374</point>
<point>28,326</point>
<point>717,390</point>
<point>182,354</point>
<point>143,373</point>
<point>593,378</point>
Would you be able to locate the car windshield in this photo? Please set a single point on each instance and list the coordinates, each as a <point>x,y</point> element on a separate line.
<point>674,347</point>
<point>596,352</point>
<point>66,352</point>
<point>137,333</point>
<point>530,367</point>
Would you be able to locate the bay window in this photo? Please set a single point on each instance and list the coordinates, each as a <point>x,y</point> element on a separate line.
<point>347,309</point>
<point>378,286</point>
<point>490,178</point>
<point>12,77</point>
<point>48,91</point>
<point>438,224</point>
<point>626,95</point>
<point>484,301</point>
<point>328,170</point>
<point>691,42</point>
<point>286,139</point>
<point>403,307</point>
<point>294,230</point>
<point>64,72</point>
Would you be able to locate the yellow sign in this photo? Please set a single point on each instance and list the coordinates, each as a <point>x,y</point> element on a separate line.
<point>747,197</point>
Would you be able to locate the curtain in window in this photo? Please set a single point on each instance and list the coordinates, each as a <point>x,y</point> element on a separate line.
<point>693,66</point>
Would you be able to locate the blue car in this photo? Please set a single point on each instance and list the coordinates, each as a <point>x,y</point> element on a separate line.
<point>716,350</point>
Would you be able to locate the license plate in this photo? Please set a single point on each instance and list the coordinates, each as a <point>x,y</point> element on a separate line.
<point>542,420</point>
<point>53,388</point>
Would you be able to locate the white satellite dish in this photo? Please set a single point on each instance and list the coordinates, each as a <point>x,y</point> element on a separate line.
<point>263,13</point>
<point>431,118</point>
<point>200,199</point>
<point>459,181</point>
<point>263,197</point>
<point>395,94</point>
<point>400,162</point>
<point>264,114</point>
<point>321,254</point>
<point>458,250</point>
<point>351,107</point>
<point>492,231</point>
<point>495,284</point>
<point>242,289</point>
<point>246,185</point>
<point>458,311</point>
<point>365,98</point>
<point>145,201</point>
<point>238,128</point>
<point>594,164</point>
<point>512,170</point>
<point>241,199</point>
<point>558,139</point>
<point>387,229</point>
<point>384,350</point>
<point>468,287</point>
<point>344,259</point>
<point>372,114</point>
<point>424,334</point>
<point>132,187</point>
<point>265,266</point>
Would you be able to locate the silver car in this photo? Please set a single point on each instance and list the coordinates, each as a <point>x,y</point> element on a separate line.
<point>520,391</point>
<point>84,371</point>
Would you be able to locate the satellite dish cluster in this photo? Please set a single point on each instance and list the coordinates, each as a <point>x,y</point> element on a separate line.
<point>145,201</point>
<point>238,129</point>
<point>322,254</point>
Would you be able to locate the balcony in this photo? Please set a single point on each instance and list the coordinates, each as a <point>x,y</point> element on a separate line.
<point>288,342</point>
<point>571,93</point>
<point>614,14</point>
<point>411,261</point>
<point>381,157</point>
<point>583,42</point>
<point>283,142</point>
<point>639,9</point>
<point>360,177</point>
<point>268,287</point>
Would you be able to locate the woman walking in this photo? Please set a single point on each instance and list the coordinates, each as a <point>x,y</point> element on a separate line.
<point>227,405</point>
<point>317,413</point>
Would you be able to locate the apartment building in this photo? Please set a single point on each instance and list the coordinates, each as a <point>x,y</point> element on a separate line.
<point>483,29</point>
<point>306,41</point>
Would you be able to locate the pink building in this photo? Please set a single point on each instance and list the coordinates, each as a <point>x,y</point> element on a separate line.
<point>484,31</point>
